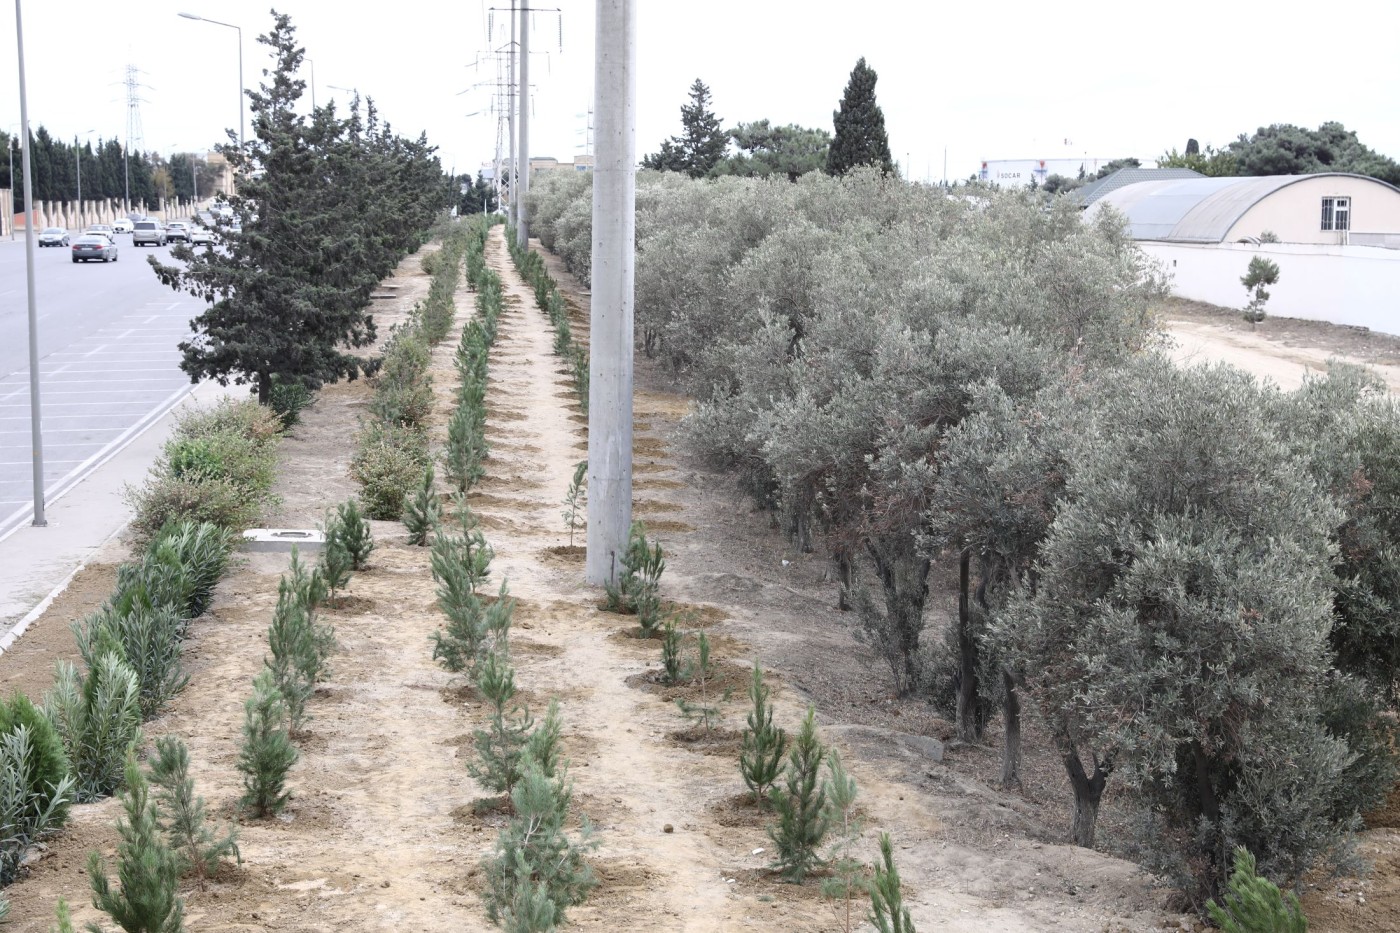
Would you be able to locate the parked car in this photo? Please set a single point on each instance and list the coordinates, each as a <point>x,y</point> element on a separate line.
<point>94,246</point>
<point>177,230</point>
<point>53,236</point>
<point>121,225</point>
<point>147,232</point>
<point>200,236</point>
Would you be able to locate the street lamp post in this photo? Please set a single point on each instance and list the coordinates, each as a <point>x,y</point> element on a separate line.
<point>11,147</point>
<point>78,161</point>
<point>36,433</point>
<point>240,65</point>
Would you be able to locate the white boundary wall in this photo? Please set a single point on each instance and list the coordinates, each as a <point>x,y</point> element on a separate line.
<point>1358,286</point>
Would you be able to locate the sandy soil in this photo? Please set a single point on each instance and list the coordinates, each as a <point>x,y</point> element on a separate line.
<point>381,833</point>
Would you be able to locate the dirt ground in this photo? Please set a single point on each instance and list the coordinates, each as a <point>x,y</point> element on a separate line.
<point>381,833</point>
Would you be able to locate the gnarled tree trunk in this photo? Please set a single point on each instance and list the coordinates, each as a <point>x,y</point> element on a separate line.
<point>1011,744</point>
<point>1088,791</point>
<point>969,720</point>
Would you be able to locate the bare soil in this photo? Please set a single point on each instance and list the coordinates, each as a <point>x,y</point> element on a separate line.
<point>386,829</point>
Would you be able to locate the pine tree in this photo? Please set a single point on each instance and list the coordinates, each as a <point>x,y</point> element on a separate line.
<point>292,666</point>
<point>423,512</point>
<point>846,881</point>
<point>180,813</point>
<point>500,745</point>
<point>267,753</point>
<point>328,205</point>
<point>354,533</point>
<point>702,142</point>
<point>802,816</point>
<point>148,900</point>
<point>574,514</point>
<point>1255,904</point>
<point>535,860</point>
<point>887,910</point>
<point>337,563</point>
<point>860,137</point>
<point>763,744</point>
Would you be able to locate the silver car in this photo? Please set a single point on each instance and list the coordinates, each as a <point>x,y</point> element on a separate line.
<point>53,236</point>
<point>94,246</point>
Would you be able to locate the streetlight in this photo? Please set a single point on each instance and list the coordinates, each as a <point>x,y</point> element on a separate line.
<point>240,65</point>
<point>36,433</point>
<point>78,161</point>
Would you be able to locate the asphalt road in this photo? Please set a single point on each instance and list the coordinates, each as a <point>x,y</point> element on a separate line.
<point>108,363</point>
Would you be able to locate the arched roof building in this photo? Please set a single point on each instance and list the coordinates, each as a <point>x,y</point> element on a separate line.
<point>1329,208</point>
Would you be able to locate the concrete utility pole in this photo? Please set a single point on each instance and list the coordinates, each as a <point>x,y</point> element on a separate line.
<point>35,413</point>
<point>510,108</point>
<point>522,228</point>
<point>614,228</point>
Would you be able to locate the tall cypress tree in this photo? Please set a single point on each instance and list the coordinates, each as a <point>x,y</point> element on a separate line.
<point>860,127</point>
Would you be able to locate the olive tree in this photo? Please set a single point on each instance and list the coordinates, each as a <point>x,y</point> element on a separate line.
<point>1178,630</point>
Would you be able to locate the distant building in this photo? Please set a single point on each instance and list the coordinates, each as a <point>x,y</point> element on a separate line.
<point>1010,172</point>
<point>539,164</point>
<point>1128,176</point>
<point>1331,208</point>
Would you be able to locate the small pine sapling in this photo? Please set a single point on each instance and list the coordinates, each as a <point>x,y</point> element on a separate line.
<point>1261,272</point>
<point>355,533</point>
<point>148,900</point>
<point>579,358</point>
<point>542,747</point>
<point>847,880</point>
<point>180,813</point>
<point>700,674</point>
<point>267,753</point>
<point>672,670</point>
<point>801,806</point>
<point>466,449</point>
<point>500,745</point>
<point>336,561</point>
<point>574,501</point>
<point>887,911</point>
<point>534,853</point>
<point>62,915</point>
<point>291,642</point>
<point>642,566</point>
<point>423,511</point>
<point>310,587</point>
<point>1255,903</point>
<point>763,744</point>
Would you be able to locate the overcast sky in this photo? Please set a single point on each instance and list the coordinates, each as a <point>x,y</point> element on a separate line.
<point>1001,80</point>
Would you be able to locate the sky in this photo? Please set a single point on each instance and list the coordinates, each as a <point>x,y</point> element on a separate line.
<point>1008,80</point>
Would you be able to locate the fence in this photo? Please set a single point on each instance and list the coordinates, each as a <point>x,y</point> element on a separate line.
<point>1356,286</point>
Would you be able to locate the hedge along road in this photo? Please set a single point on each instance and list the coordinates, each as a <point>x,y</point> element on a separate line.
<point>108,364</point>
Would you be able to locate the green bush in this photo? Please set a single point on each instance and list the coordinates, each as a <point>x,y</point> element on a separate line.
<point>232,418</point>
<point>288,400</point>
<point>267,753</point>
<point>389,461</point>
<point>166,499</point>
<point>35,786</point>
<point>203,549</point>
<point>149,641</point>
<point>97,717</point>
<point>148,899</point>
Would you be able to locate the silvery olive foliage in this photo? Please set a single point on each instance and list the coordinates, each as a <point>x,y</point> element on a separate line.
<point>1188,575</point>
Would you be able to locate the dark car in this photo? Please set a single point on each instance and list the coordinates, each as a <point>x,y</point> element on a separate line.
<point>148,231</point>
<point>94,246</point>
<point>53,236</point>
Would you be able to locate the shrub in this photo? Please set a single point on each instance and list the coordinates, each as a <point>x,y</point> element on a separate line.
<point>150,641</point>
<point>148,900</point>
<point>535,863</point>
<point>336,563</point>
<point>163,500</point>
<point>802,814</point>
<point>203,549</point>
<point>575,514</point>
<point>672,671</point>
<point>388,460</point>
<point>180,813</point>
<point>846,881</point>
<point>97,717</point>
<point>267,753</point>
<point>289,400</point>
<point>1255,904</point>
<point>34,798</point>
<point>466,449</point>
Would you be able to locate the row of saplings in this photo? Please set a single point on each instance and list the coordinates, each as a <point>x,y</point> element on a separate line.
<point>537,870</point>
<point>804,782</point>
<point>82,744</point>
